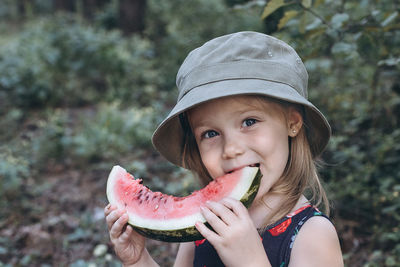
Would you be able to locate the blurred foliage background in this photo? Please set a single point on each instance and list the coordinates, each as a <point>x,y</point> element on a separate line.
<point>84,83</point>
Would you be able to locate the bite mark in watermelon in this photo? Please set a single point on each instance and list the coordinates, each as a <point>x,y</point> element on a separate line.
<point>169,218</point>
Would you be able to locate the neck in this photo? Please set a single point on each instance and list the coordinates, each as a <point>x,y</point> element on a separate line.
<point>262,211</point>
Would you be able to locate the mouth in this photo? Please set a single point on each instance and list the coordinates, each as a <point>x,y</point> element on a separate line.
<point>251,165</point>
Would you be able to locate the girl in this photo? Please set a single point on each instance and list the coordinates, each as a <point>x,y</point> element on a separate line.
<point>243,102</point>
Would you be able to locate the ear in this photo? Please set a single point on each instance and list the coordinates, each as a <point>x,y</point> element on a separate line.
<point>295,122</point>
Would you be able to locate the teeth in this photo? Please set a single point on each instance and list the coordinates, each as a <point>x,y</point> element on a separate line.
<point>251,165</point>
<point>255,165</point>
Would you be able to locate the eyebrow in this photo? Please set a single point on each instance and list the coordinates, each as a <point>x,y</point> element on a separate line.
<point>199,124</point>
<point>247,107</point>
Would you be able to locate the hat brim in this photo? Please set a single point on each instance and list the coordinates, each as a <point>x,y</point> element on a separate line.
<point>168,136</point>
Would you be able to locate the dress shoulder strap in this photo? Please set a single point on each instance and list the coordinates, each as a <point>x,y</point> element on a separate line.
<point>278,239</point>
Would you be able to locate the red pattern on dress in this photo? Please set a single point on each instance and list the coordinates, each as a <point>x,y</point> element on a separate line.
<point>199,242</point>
<point>298,211</point>
<point>281,228</point>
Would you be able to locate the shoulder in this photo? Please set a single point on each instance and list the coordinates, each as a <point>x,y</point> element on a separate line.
<point>316,244</point>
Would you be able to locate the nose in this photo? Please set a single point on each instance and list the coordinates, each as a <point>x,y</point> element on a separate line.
<point>232,148</point>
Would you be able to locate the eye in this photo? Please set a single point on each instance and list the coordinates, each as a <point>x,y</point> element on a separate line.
<point>248,122</point>
<point>209,134</point>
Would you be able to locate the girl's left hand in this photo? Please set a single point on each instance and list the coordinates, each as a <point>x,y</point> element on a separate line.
<point>235,238</point>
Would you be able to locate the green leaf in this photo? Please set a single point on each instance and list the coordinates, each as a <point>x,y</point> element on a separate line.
<point>315,32</point>
<point>343,47</point>
<point>286,17</point>
<point>271,7</point>
<point>390,19</point>
<point>318,2</point>
<point>338,20</point>
<point>306,3</point>
<point>313,25</point>
<point>392,61</point>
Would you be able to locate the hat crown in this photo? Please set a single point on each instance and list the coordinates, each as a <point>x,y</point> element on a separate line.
<point>242,55</point>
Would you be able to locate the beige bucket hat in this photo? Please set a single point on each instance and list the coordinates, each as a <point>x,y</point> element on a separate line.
<point>248,63</point>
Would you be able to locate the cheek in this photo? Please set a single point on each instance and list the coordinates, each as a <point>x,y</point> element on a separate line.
<point>275,155</point>
<point>210,161</point>
<point>274,147</point>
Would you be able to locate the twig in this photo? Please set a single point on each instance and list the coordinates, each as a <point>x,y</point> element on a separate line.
<point>316,15</point>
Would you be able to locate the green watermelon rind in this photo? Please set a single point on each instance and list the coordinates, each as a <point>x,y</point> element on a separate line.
<point>189,234</point>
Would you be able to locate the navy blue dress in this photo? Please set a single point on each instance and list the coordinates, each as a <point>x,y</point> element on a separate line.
<point>277,239</point>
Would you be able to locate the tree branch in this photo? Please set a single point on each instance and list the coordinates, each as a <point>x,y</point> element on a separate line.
<point>316,15</point>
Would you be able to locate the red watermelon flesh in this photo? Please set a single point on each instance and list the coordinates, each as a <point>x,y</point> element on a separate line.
<point>162,212</point>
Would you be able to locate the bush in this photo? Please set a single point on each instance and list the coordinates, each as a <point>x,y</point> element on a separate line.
<point>60,61</point>
<point>49,142</point>
<point>14,170</point>
<point>113,133</point>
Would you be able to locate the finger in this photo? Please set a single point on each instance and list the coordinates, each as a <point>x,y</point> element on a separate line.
<point>235,205</point>
<point>222,211</point>
<point>108,209</point>
<point>112,217</point>
<point>216,223</point>
<point>118,226</point>
<point>127,234</point>
<point>207,233</point>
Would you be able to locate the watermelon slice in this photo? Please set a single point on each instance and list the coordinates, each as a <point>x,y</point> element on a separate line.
<point>171,219</point>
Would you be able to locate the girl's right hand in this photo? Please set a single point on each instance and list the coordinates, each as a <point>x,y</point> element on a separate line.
<point>128,244</point>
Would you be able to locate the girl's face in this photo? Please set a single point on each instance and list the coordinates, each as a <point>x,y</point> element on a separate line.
<point>238,131</point>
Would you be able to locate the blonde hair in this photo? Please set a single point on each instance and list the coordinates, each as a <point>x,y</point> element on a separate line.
<point>299,177</point>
